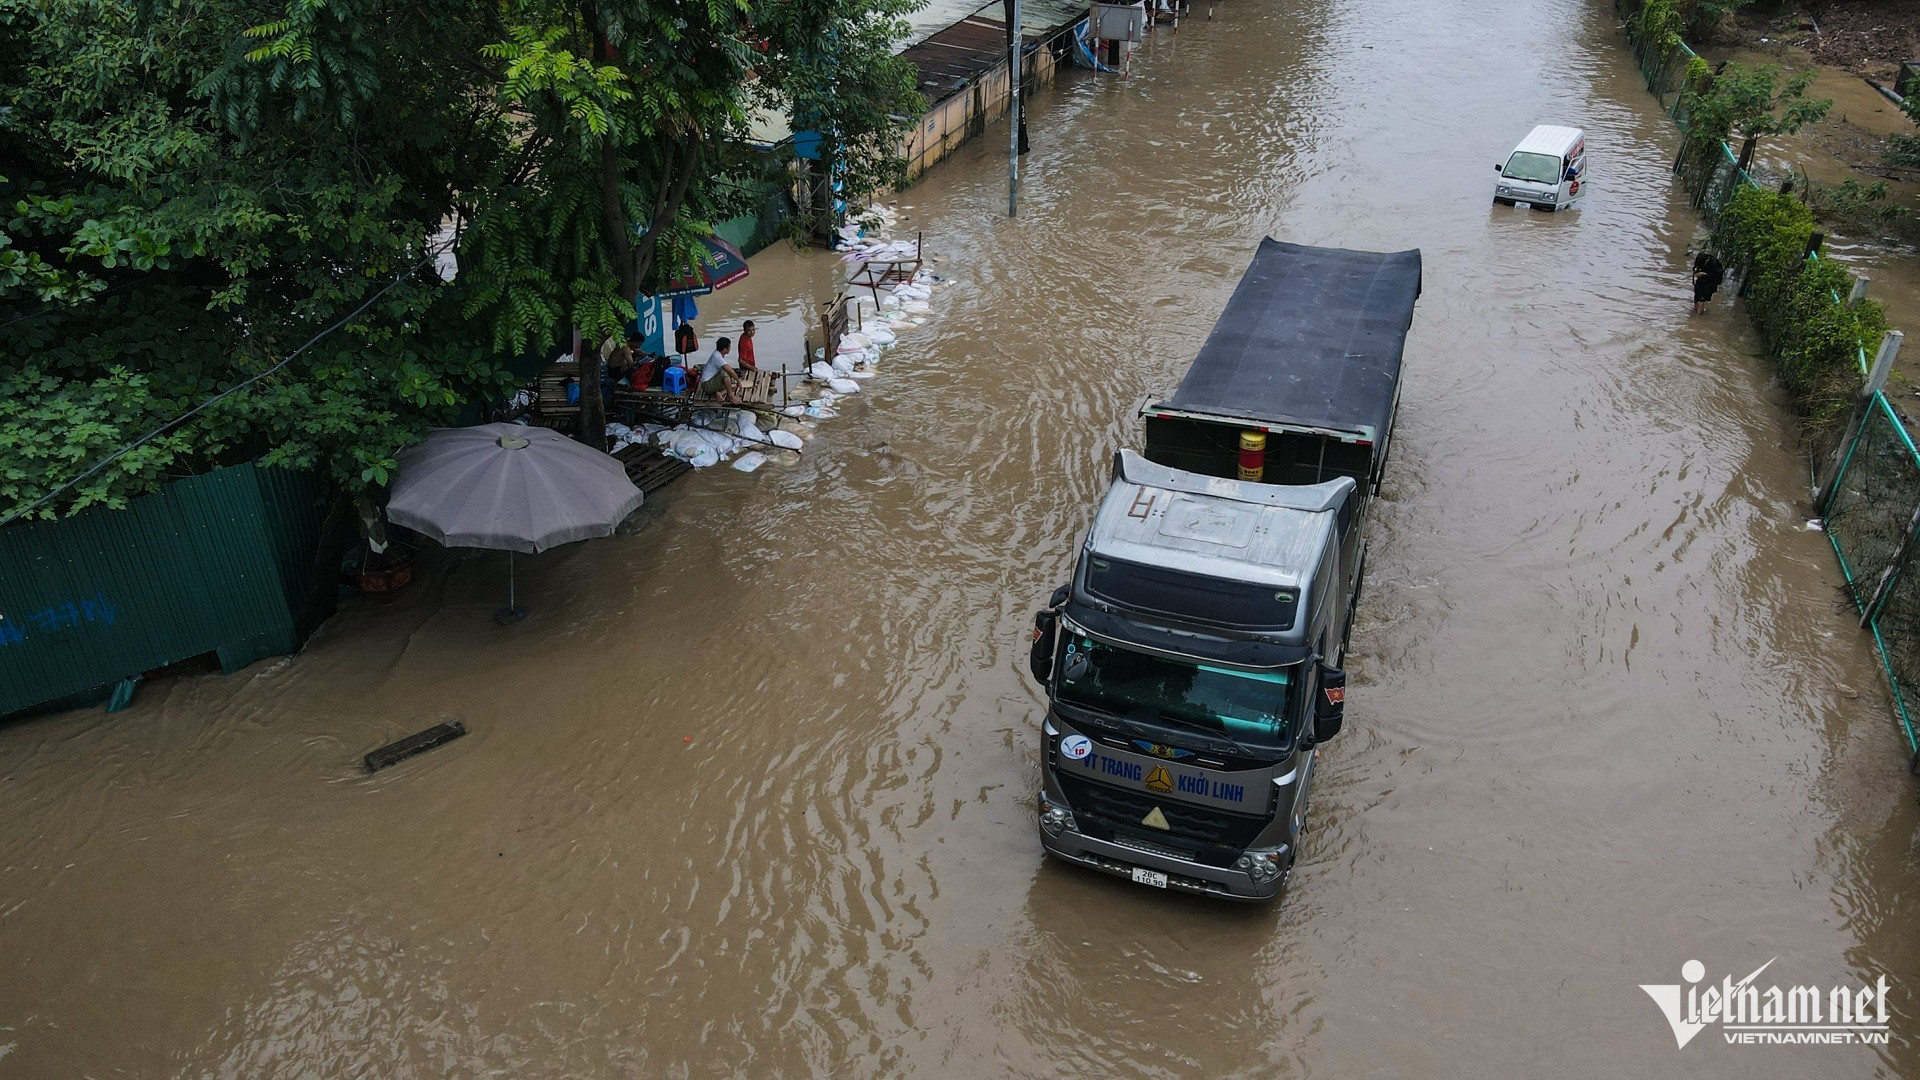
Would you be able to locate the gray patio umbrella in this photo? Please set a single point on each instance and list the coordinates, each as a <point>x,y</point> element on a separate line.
<point>509,488</point>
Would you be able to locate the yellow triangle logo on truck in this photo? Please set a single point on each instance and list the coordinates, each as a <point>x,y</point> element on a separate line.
<point>1156,819</point>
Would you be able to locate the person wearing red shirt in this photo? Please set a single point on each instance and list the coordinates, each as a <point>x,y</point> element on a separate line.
<point>746,346</point>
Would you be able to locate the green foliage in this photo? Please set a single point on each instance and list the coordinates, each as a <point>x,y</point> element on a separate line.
<point>1814,337</point>
<point>847,85</point>
<point>193,188</point>
<point>1857,209</point>
<point>1738,103</point>
<point>1663,23</point>
<point>1901,149</point>
<point>1658,25</point>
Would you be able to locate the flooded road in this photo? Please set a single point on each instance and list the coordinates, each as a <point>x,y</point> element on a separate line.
<point>1602,716</point>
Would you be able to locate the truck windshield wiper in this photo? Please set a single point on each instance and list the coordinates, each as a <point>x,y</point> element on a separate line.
<point>1239,747</point>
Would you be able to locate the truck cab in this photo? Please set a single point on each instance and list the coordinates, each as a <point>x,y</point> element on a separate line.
<point>1189,676</point>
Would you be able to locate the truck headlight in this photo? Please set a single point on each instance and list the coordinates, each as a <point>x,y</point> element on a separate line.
<point>1262,866</point>
<point>1054,818</point>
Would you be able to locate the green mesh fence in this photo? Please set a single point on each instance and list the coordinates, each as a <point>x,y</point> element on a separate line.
<point>1870,517</point>
<point>1875,501</point>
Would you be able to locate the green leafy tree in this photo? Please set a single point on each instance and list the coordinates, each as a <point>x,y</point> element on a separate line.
<point>194,189</point>
<point>1737,103</point>
<point>184,206</point>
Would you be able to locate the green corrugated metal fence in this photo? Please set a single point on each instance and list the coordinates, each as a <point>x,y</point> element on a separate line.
<point>218,563</point>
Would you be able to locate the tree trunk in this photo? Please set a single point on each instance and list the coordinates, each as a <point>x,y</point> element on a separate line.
<point>593,410</point>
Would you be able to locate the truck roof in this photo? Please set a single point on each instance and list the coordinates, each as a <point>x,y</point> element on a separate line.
<point>1249,532</point>
<point>1312,337</point>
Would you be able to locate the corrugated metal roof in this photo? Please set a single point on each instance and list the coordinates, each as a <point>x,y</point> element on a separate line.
<point>959,53</point>
<point>204,564</point>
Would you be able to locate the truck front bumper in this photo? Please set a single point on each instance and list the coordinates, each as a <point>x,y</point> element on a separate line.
<point>1121,859</point>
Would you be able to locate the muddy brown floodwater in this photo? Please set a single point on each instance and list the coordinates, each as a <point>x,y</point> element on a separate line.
<point>1600,721</point>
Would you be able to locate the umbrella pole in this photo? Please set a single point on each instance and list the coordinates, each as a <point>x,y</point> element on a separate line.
<point>510,614</point>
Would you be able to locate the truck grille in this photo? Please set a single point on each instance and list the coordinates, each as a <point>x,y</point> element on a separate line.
<point>1214,837</point>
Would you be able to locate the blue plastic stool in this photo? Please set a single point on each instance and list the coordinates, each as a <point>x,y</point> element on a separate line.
<point>674,381</point>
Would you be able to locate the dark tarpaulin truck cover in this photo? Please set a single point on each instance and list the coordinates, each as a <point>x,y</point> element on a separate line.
<point>1311,338</point>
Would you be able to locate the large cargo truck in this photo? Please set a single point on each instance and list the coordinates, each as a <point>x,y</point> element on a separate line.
<point>1194,664</point>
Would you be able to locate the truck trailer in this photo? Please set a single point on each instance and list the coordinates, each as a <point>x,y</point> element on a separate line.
<point>1195,662</point>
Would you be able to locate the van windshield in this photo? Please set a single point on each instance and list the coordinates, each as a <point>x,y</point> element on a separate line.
<point>1538,168</point>
<point>1250,706</point>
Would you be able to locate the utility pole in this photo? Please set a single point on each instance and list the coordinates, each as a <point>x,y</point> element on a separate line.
<point>1016,109</point>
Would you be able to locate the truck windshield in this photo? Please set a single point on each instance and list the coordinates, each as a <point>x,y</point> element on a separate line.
<point>1249,706</point>
<point>1539,168</point>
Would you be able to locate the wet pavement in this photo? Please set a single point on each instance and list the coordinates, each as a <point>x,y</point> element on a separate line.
<point>1602,717</point>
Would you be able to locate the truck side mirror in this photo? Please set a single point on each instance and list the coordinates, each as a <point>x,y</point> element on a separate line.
<point>1497,167</point>
<point>1329,709</point>
<point>1040,656</point>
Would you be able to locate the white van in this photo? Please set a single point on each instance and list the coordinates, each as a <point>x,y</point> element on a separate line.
<point>1547,171</point>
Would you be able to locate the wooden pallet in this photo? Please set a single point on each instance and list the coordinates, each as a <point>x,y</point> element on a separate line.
<point>648,468</point>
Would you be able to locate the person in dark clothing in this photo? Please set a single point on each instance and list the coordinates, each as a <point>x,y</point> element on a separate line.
<point>1707,276</point>
<point>685,342</point>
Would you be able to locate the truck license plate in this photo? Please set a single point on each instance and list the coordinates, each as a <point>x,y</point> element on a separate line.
<point>1150,877</point>
<point>1518,205</point>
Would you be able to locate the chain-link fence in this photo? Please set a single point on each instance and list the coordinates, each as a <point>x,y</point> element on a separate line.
<point>1872,505</point>
<point>1871,515</point>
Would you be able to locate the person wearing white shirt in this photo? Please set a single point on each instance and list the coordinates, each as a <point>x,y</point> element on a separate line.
<point>719,376</point>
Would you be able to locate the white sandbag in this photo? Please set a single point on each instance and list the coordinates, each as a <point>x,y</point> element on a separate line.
<point>784,439</point>
<point>750,462</point>
<point>860,340</point>
<point>882,335</point>
<point>842,364</point>
<point>916,307</point>
<point>821,370</point>
<point>844,386</point>
<point>721,442</point>
<point>861,375</point>
<point>822,412</point>
<point>751,433</point>
<point>794,410</point>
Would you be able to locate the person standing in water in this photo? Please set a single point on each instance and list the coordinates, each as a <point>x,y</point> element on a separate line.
<point>746,346</point>
<point>1707,276</point>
